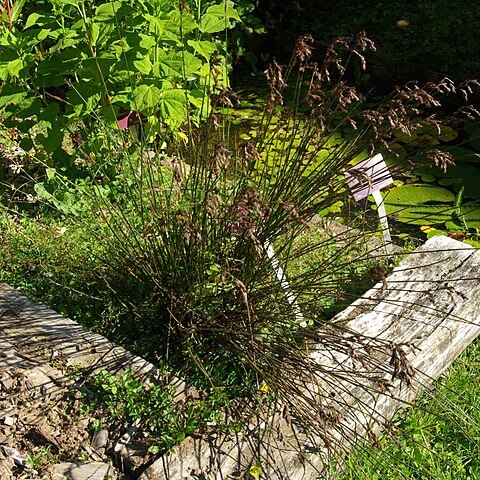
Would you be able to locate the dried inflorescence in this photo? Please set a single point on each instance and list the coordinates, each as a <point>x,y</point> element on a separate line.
<point>303,51</point>
<point>250,151</point>
<point>188,227</point>
<point>226,98</point>
<point>213,204</point>
<point>401,112</point>
<point>362,45</point>
<point>441,158</point>
<point>468,88</point>
<point>333,58</point>
<point>276,83</point>
<point>247,212</point>
<point>347,95</point>
<point>220,159</point>
<point>468,111</point>
<point>293,214</point>
<point>249,155</point>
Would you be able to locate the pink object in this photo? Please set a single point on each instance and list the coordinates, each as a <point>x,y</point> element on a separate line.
<point>368,176</point>
<point>123,122</point>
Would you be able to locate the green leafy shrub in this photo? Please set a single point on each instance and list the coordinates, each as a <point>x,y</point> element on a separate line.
<point>66,65</point>
<point>124,400</point>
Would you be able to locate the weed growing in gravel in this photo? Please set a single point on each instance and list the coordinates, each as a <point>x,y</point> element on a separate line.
<point>119,402</point>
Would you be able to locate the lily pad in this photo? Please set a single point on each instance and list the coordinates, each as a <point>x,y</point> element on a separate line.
<point>420,214</point>
<point>425,135</point>
<point>428,178</point>
<point>420,204</point>
<point>461,174</point>
<point>461,154</point>
<point>448,182</point>
<point>414,194</point>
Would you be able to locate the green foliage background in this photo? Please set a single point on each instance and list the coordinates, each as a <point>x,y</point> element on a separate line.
<point>64,64</point>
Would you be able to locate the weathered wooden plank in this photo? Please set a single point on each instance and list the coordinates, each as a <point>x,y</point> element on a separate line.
<point>389,345</point>
<point>32,327</point>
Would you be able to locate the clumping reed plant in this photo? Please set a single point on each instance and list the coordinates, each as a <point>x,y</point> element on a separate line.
<point>189,245</point>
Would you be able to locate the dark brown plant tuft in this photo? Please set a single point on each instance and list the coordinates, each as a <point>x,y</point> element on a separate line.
<point>468,88</point>
<point>362,45</point>
<point>276,83</point>
<point>247,212</point>
<point>214,204</point>
<point>441,158</point>
<point>220,159</point>
<point>226,98</point>
<point>303,51</point>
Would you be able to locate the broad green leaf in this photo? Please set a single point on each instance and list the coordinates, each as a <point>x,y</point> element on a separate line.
<point>84,97</point>
<point>49,116</point>
<point>184,19</point>
<point>163,29</point>
<point>4,72</point>
<point>172,107</point>
<point>109,114</point>
<point>107,11</point>
<point>180,65</point>
<point>51,172</point>
<point>14,67</point>
<point>143,66</point>
<point>28,108</point>
<point>39,19</point>
<point>217,18</point>
<point>203,47</point>
<point>200,101</point>
<point>70,38</point>
<point>17,9</point>
<point>100,33</point>
<point>118,75</point>
<point>97,69</point>
<point>168,29</point>
<point>414,194</point>
<point>66,202</point>
<point>13,95</point>
<point>145,97</point>
<point>94,33</point>
<point>420,204</point>
<point>146,41</point>
<point>66,62</point>
<point>52,140</point>
<point>151,128</point>
<point>43,34</point>
<point>122,98</point>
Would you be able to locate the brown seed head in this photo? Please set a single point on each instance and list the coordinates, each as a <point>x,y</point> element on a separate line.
<point>303,51</point>
<point>441,159</point>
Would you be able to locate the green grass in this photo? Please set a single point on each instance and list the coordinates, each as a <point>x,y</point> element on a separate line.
<point>437,438</point>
